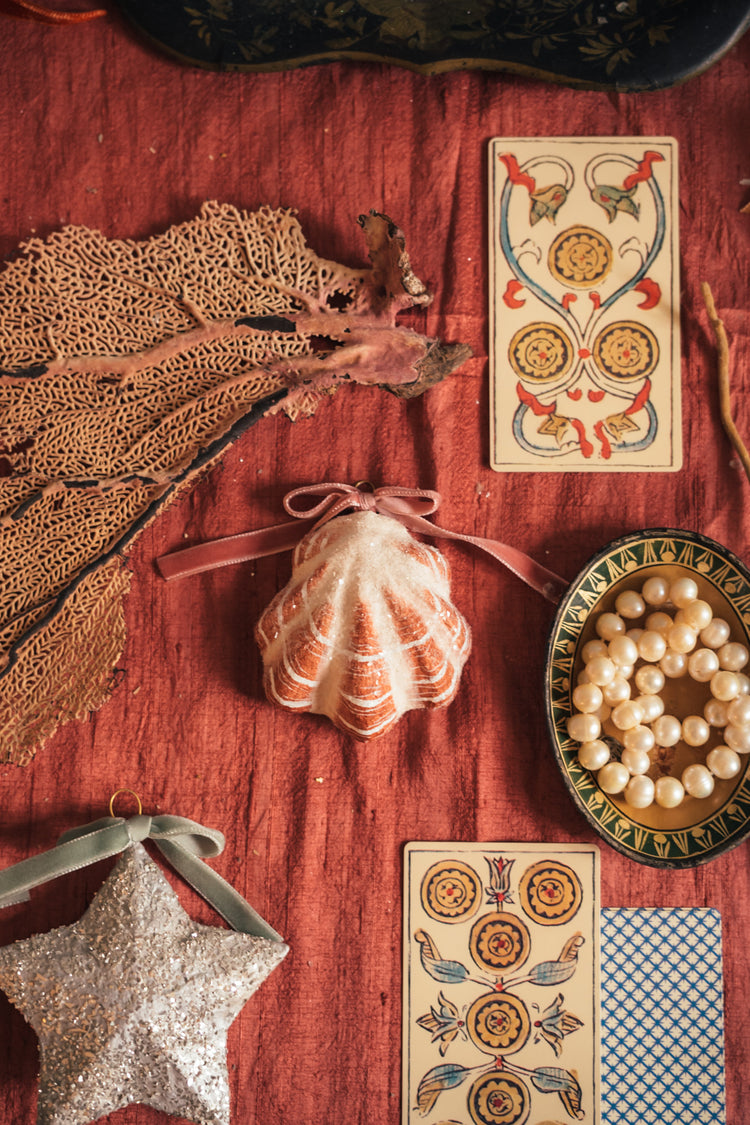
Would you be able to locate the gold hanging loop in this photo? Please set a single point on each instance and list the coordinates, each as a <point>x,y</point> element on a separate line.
<point>116,793</point>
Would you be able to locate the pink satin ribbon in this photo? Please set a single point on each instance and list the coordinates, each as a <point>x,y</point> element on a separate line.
<point>407,505</point>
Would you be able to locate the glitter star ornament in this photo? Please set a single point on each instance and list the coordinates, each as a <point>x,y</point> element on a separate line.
<point>133,1002</point>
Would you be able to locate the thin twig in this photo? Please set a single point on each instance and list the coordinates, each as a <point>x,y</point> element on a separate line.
<point>725,406</point>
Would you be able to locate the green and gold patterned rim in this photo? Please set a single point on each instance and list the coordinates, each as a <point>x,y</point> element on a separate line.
<point>665,844</point>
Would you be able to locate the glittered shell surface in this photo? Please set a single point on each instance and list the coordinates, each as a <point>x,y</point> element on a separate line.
<point>365,630</point>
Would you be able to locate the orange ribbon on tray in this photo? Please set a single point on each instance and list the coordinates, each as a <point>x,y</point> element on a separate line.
<point>407,505</point>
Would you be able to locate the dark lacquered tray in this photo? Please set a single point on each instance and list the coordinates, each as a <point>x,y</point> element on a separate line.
<point>599,44</point>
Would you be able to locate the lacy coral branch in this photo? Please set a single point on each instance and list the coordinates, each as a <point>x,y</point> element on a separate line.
<point>126,369</point>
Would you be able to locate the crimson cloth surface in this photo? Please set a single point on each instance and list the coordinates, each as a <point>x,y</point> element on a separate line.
<point>99,130</point>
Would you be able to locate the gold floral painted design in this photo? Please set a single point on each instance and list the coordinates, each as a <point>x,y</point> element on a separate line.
<point>626,350</point>
<point>499,1100</point>
<point>498,1023</point>
<point>540,353</point>
<point>550,893</point>
<point>580,256</point>
<point>499,942</point>
<point>451,891</point>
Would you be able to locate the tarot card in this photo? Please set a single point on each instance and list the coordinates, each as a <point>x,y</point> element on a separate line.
<point>584,305</point>
<point>501,984</point>
<point>662,1017</point>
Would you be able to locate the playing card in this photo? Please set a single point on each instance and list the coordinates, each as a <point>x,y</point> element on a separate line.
<point>662,1017</point>
<point>584,303</point>
<point>501,988</point>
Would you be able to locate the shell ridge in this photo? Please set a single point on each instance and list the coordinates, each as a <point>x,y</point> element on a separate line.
<point>430,557</point>
<point>365,629</point>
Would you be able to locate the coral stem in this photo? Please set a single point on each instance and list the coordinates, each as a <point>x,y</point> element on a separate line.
<point>725,405</point>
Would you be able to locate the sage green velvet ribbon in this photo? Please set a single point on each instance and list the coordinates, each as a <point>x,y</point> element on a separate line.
<point>182,842</point>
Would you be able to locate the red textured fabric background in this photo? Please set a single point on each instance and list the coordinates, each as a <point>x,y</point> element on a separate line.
<point>97,129</point>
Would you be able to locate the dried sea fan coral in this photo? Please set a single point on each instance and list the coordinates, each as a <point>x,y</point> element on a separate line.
<point>126,368</point>
<point>365,630</point>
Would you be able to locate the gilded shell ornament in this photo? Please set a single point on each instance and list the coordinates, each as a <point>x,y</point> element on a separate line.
<point>365,630</point>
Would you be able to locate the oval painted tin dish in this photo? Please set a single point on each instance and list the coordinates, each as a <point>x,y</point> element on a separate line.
<point>697,830</point>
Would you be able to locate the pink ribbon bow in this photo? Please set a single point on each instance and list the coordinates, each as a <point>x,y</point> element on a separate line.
<point>407,505</point>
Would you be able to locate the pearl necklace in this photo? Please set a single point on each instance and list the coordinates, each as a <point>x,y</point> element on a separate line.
<point>689,642</point>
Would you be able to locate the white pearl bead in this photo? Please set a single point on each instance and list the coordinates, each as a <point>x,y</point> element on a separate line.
<point>655,590</point>
<point>639,738</point>
<point>667,730</point>
<point>649,679</point>
<point>636,761</point>
<point>616,692</point>
<point>738,711</point>
<point>723,762</point>
<point>613,777</point>
<point>609,625</point>
<point>587,697</point>
<point>584,728</point>
<point>622,651</point>
<point>716,713</point>
<point>703,664</point>
<point>738,738</point>
<point>744,682</point>
<point>698,781</point>
<point>683,592</point>
<point>695,730</point>
<point>601,670</point>
<point>651,646</point>
<point>716,634</point>
<point>668,792</point>
<point>725,686</point>
<point>652,707</point>
<point>593,755</point>
<point>733,656</point>
<point>639,792</point>
<point>627,715</point>
<point>681,638</point>
<point>659,622</point>
<point>594,648</point>
<point>673,664</point>
<point>630,604</point>
<point>697,615</point>
<point>624,661</point>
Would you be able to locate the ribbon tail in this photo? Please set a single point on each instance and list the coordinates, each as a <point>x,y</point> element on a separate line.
<point>70,855</point>
<point>545,582</point>
<point>232,549</point>
<point>216,891</point>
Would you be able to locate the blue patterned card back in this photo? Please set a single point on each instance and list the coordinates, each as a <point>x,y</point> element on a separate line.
<point>662,1014</point>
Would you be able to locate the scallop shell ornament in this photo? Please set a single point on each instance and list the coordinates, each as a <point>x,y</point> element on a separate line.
<point>365,630</point>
